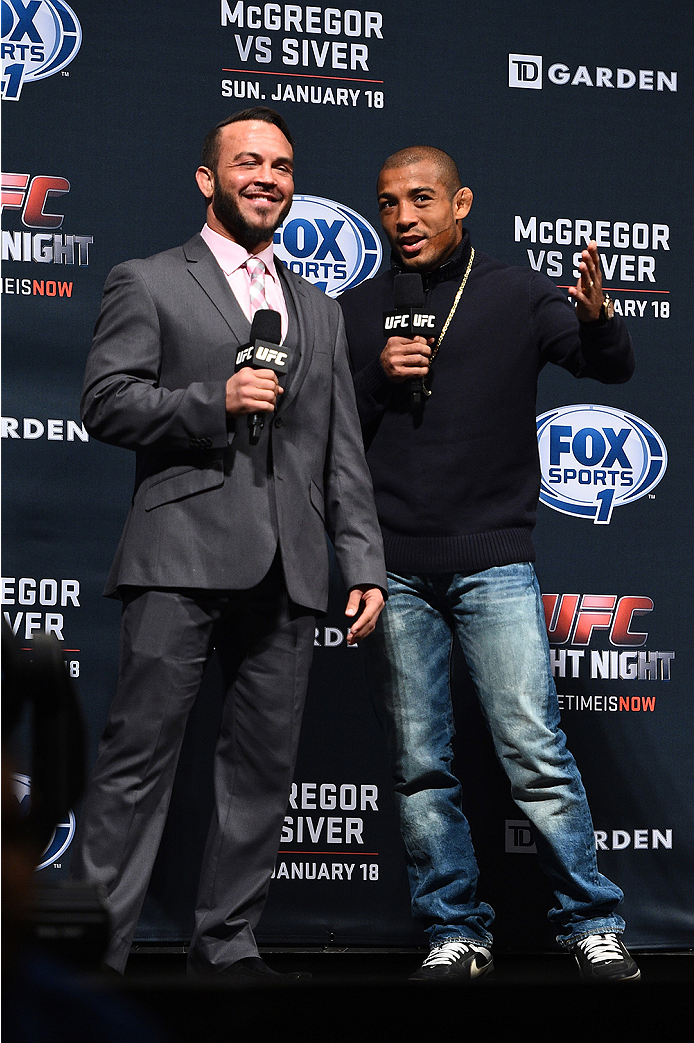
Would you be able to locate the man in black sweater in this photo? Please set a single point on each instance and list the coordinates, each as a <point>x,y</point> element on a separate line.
<point>457,481</point>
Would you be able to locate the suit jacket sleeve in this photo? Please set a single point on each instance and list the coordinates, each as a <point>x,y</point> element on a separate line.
<point>122,400</point>
<point>351,520</point>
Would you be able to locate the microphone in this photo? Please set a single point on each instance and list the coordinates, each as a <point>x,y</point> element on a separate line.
<point>263,352</point>
<point>410,319</point>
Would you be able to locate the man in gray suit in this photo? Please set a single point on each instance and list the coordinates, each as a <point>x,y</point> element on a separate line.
<point>224,546</point>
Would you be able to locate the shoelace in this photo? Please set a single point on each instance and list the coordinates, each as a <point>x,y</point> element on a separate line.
<point>449,952</point>
<point>601,948</point>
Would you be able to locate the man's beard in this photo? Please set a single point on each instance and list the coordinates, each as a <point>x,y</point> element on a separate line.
<point>248,235</point>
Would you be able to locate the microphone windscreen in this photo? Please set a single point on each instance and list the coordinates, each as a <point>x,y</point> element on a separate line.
<point>267,325</point>
<point>408,290</point>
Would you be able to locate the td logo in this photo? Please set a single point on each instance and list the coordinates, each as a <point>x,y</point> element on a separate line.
<point>525,70</point>
<point>596,458</point>
<point>328,244</point>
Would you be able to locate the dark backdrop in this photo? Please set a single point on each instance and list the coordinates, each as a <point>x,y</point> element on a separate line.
<point>554,117</point>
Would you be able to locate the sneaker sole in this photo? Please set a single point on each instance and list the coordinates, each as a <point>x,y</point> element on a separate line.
<point>476,973</point>
<point>610,981</point>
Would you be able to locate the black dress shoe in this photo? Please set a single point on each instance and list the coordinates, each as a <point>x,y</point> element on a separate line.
<point>254,971</point>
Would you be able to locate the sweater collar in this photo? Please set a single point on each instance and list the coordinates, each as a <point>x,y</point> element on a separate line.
<point>453,268</point>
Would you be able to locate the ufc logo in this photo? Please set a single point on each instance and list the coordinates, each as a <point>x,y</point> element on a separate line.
<point>244,355</point>
<point>270,355</point>
<point>394,322</point>
<point>576,616</point>
<point>402,321</point>
<point>33,200</point>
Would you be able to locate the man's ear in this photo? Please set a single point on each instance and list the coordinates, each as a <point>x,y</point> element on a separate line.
<point>463,203</point>
<point>205,179</point>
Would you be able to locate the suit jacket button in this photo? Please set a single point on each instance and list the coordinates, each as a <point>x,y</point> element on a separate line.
<point>278,421</point>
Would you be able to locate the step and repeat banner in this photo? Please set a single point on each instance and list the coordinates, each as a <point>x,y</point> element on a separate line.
<point>566,128</point>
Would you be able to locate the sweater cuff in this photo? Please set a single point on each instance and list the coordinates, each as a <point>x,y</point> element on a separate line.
<point>602,331</point>
<point>373,381</point>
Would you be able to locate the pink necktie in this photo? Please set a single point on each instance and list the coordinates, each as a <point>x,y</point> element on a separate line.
<point>256,271</point>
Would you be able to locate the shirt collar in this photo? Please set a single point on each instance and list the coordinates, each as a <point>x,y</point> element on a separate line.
<point>231,256</point>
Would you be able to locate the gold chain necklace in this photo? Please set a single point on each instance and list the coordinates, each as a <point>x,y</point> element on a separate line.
<point>447,323</point>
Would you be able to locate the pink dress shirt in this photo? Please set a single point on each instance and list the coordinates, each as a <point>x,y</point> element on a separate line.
<point>231,257</point>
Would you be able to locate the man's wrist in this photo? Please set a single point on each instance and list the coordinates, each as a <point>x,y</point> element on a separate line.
<point>606,308</point>
<point>606,313</point>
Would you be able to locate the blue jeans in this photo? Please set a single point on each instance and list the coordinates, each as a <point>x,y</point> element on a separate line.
<point>499,619</point>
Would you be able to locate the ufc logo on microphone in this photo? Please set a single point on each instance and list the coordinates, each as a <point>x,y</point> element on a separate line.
<point>394,322</point>
<point>244,355</point>
<point>427,321</point>
<point>270,354</point>
<point>525,70</point>
<point>403,321</point>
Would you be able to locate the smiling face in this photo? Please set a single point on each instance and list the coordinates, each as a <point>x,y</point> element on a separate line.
<point>421,218</point>
<point>250,192</point>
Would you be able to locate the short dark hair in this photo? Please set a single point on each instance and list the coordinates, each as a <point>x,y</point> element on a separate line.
<point>446,167</point>
<point>210,146</point>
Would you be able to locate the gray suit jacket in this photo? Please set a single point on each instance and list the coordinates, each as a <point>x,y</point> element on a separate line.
<point>164,346</point>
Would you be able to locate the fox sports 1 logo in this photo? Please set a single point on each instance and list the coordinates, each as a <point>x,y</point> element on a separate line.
<point>39,38</point>
<point>328,244</point>
<point>63,833</point>
<point>596,458</point>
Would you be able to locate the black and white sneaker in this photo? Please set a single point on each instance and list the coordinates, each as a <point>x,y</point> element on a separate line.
<point>603,957</point>
<point>455,963</point>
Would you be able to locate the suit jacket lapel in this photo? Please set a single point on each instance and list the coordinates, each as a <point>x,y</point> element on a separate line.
<point>210,277</point>
<point>207,273</point>
<point>307,328</point>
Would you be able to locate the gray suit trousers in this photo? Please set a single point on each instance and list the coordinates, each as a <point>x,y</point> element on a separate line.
<point>265,645</point>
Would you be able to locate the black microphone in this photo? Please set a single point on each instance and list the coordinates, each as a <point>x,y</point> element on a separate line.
<point>263,352</point>
<point>409,319</point>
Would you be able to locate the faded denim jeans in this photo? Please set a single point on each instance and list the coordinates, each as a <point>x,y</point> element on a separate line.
<point>499,619</point>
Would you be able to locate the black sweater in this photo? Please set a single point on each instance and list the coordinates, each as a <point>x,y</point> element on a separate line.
<point>457,491</point>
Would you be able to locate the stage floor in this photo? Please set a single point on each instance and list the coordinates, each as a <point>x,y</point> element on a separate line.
<point>365,996</point>
<point>368,966</point>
